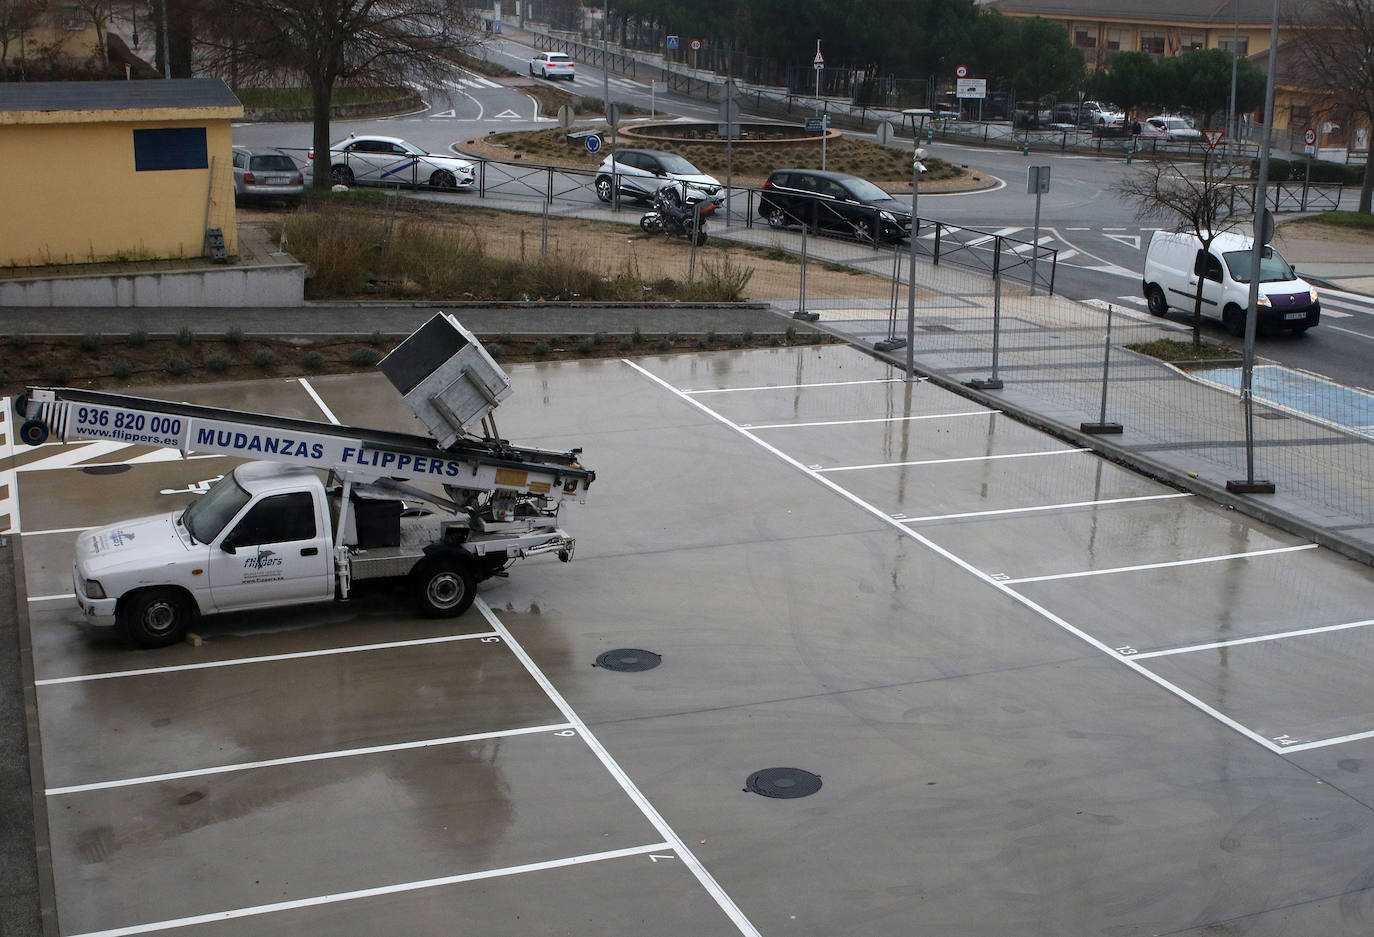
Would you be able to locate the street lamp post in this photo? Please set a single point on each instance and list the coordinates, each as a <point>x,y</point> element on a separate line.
<point>917,167</point>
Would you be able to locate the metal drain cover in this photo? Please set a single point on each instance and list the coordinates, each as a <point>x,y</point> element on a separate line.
<point>628,660</point>
<point>783,782</point>
<point>105,469</point>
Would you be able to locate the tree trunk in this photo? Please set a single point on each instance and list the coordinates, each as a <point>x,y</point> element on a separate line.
<point>321,92</point>
<point>1367,187</point>
<point>1197,316</point>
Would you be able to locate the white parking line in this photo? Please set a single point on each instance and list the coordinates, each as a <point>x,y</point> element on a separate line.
<point>885,419</point>
<point>1131,569</point>
<point>1256,639</point>
<point>985,578</point>
<point>967,458</point>
<point>740,390</point>
<point>1042,507</point>
<point>303,759</point>
<point>319,402</point>
<point>689,858</point>
<point>266,658</point>
<point>236,913</point>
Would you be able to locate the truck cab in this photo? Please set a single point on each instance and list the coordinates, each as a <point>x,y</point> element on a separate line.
<point>260,537</point>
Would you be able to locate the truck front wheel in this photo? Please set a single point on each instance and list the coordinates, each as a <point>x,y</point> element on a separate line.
<point>156,618</point>
<point>444,587</point>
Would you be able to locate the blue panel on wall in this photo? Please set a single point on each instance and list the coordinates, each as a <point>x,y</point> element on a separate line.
<point>170,148</point>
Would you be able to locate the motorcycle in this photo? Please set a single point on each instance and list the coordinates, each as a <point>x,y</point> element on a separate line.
<point>669,218</point>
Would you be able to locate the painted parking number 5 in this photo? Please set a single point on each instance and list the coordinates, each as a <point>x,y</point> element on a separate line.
<point>491,639</point>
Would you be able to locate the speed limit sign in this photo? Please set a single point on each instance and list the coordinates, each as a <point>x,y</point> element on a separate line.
<point>961,71</point>
<point>695,45</point>
<point>1309,136</point>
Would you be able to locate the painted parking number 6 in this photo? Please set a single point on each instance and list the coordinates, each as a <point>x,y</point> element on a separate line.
<point>566,733</point>
<point>1126,650</point>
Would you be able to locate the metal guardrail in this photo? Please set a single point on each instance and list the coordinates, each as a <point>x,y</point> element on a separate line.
<point>1288,196</point>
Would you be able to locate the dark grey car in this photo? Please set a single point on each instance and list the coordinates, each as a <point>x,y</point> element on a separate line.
<point>835,203</point>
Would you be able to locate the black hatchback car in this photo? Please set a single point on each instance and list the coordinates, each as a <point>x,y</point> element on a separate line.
<point>835,203</point>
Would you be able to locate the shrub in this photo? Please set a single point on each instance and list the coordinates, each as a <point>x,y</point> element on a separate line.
<point>92,341</point>
<point>376,340</point>
<point>367,356</point>
<point>626,343</point>
<point>312,360</point>
<point>664,345</point>
<point>541,349</point>
<point>123,369</point>
<point>185,337</point>
<point>264,358</point>
<point>59,374</point>
<point>138,338</point>
<point>218,363</point>
<point>637,337</point>
<point>233,337</point>
<point>177,366</point>
<point>19,342</point>
<point>587,345</point>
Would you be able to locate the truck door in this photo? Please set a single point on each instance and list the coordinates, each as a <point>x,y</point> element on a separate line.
<point>277,553</point>
<point>1213,285</point>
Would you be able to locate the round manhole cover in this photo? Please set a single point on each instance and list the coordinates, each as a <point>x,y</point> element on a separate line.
<point>783,782</point>
<point>628,660</point>
<point>105,469</point>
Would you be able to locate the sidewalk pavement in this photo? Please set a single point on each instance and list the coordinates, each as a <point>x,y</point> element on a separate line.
<point>1342,265</point>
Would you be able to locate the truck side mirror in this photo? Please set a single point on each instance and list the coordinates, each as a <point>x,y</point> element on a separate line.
<point>228,546</point>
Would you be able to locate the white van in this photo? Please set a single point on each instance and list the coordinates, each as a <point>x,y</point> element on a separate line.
<point>1170,282</point>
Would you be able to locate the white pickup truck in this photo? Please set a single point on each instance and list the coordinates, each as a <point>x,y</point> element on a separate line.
<point>321,506</point>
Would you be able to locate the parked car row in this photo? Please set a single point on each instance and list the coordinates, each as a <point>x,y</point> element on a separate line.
<point>828,202</point>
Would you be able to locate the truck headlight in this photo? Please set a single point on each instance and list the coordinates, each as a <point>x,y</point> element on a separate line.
<point>94,590</point>
<point>1263,301</point>
<point>1312,294</point>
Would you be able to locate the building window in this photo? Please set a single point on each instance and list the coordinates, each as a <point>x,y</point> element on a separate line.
<point>1190,41</point>
<point>72,17</point>
<point>1114,39</point>
<point>1153,44</point>
<point>1084,39</point>
<point>170,148</point>
<point>1239,46</point>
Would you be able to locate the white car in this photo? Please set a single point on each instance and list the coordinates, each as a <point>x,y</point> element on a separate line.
<point>641,173</point>
<point>552,65</point>
<point>1174,128</point>
<point>370,160</point>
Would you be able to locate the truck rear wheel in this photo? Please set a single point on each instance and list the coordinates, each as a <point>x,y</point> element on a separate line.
<point>156,617</point>
<point>444,587</point>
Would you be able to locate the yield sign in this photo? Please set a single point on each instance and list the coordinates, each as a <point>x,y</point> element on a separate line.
<point>506,115</point>
<point>1213,137</point>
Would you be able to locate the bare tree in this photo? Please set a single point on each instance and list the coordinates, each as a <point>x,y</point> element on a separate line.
<point>16,18</point>
<point>98,13</point>
<point>1335,57</point>
<point>324,42</point>
<point>1190,198</point>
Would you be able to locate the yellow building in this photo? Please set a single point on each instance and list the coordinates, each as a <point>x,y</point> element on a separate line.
<point>55,33</point>
<point>115,170</point>
<point>1101,28</point>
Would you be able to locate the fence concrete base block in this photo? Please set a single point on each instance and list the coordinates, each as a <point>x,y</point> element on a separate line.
<point>1100,429</point>
<point>1250,488</point>
<point>805,316</point>
<point>991,383</point>
<point>889,344</point>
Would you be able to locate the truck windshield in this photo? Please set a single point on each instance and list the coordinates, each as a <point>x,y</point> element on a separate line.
<point>205,518</point>
<point>1273,268</point>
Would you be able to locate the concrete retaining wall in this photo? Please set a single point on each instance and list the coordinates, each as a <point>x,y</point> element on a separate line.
<point>276,285</point>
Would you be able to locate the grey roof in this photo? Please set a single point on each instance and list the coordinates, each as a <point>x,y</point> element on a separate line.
<point>1208,12</point>
<point>177,93</point>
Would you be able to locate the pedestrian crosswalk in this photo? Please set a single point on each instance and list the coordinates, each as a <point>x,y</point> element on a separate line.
<point>1331,308</point>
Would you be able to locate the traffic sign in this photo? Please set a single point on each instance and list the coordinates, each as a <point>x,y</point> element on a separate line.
<point>815,125</point>
<point>1213,137</point>
<point>593,144</point>
<point>971,88</point>
<point>1038,180</point>
<point>672,42</point>
<point>694,45</point>
<point>885,132</point>
<point>1309,136</point>
<point>819,61</point>
<point>961,71</point>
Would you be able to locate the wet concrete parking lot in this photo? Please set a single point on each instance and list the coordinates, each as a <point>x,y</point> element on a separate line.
<point>1043,695</point>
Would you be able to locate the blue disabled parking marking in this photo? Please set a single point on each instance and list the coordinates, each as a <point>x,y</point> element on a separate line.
<point>1292,390</point>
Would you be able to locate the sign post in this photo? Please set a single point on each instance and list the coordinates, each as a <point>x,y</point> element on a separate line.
<point>695,46</point>
<point>818,63</point>
<point>1037,183</point>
